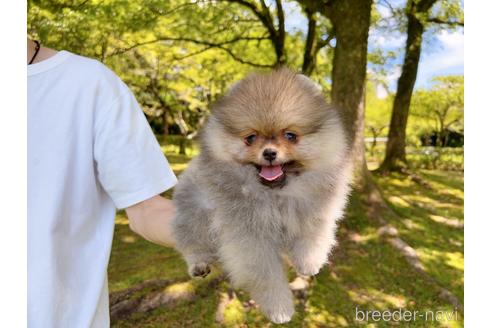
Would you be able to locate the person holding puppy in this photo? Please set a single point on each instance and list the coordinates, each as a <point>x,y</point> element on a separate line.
<point>90,152</point>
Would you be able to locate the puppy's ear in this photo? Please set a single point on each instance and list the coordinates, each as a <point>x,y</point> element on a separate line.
<point>309,83</point>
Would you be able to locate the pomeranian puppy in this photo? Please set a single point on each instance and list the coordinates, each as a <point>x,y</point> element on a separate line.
<point>272,178</point>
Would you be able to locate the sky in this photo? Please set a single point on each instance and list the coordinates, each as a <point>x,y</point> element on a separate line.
<point>442,54</point>
<point>447,59</point>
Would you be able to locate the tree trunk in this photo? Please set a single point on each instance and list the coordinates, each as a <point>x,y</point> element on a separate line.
<point>165,124</point>
<point>374,140</point>
<point>279,43</point>
<point>309,61</point>
<point>182,145</point>
<point>351,20</point>
<point>279,52</point>
<point>394,159</point>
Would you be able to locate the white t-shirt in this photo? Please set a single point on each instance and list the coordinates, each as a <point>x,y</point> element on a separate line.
<point>90,151</point>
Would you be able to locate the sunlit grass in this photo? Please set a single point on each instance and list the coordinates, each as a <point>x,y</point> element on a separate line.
<point>431,224</point>
<point>234,313</point>
<point>379,299</point>
<point>178,289</point>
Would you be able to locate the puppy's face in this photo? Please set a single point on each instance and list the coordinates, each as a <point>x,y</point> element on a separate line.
<point>279,123</point>
<point>274,153</point>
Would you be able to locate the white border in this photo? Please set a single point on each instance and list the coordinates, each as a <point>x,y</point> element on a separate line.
<point>478,164</point>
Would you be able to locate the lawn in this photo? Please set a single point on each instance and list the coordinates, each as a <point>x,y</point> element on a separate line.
<point>365,272</point>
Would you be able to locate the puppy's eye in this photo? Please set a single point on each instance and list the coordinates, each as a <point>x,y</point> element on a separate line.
<point>290,136</point>
<point>250,139</point>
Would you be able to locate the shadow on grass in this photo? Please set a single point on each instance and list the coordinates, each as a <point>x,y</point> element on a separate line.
<point>449,179</point>
<point>367,275</point>
<point>440,246</point>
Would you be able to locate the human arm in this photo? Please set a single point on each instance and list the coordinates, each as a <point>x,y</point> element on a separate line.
<point>152,220</point>
<point>131,166</point>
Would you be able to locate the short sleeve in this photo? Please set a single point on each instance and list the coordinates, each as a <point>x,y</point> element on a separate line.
<point>129,162</point>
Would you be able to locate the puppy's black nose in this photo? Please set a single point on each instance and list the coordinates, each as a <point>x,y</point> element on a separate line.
<point>269,154</point>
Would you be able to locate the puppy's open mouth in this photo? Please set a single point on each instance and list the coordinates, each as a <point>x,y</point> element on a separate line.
<point>271,173</point>
<point>275,176</point>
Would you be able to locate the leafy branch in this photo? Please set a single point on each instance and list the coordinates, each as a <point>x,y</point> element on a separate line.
<point>264,15</point>
<point>444,22</point>
<point>208,45</point>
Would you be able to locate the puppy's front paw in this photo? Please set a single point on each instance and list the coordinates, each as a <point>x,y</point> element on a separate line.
<point>309,270</point>
<point>201,269</point>
<point>309,266</point>
<point>280,313</point>
<point>276,304</point>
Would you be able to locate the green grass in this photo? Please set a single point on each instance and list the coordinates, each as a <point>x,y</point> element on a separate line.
<point>364,272</point>
<point>429,158</point>
<point>425,213</point>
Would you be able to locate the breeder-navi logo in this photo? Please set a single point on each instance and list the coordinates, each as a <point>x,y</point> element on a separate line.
<point>405,315</point>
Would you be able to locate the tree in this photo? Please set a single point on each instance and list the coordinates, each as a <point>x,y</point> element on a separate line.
<point>349,71</point>
<point>417,15</point>
<point>349,74</point>
<point>276,32</point>
<point>319,34</point>
<point>89,27</point>
<point>178,55</point>
<point>442,105</point>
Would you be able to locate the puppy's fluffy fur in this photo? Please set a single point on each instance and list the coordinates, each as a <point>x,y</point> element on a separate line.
<point>243,209</point>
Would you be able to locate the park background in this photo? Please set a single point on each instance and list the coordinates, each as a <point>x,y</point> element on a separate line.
<point>396,70</point>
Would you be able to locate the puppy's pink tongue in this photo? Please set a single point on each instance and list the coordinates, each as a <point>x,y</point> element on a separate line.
<point>271,173</point>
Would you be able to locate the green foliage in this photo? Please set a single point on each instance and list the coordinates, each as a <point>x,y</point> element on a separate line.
<point>440,108</point>
<point>378,109</point>
<point>447,14</point>
<point>177,56</point>
<point>437,109</point>
<point>432,158</point>
<point>418,158</point>
<point>88,27</point>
